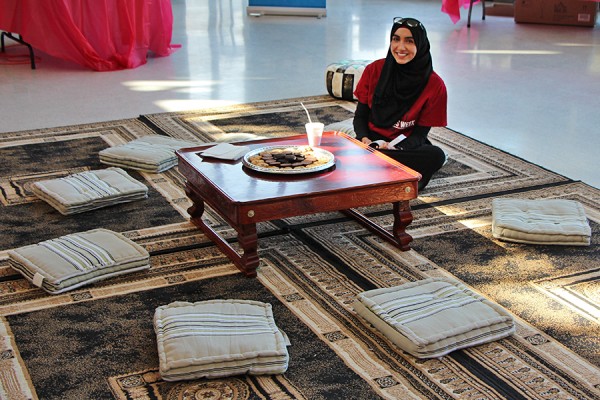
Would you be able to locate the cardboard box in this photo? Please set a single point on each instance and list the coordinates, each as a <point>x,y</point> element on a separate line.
<point>500,9</point>
<point>557,12</point>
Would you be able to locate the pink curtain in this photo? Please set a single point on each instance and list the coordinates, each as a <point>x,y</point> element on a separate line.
<point>452,8</point>
<point>103,35</point>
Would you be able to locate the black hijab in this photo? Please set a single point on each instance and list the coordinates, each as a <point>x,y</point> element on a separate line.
<point>400,85</point>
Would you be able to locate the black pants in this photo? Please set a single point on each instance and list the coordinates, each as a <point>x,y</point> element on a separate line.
<point>417,153</point>
<point>426,160</point>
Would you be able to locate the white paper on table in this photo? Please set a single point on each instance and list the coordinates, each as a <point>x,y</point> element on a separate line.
<point>226,151</point>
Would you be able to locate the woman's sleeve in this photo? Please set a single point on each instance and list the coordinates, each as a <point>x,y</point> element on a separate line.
<point>417,138</point>
<point>361,120</point>
<point>435,111</point>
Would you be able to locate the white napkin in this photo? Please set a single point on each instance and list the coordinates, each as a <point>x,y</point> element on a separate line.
<point>382,144</point>
<point>394,142</point>
<point>226,151</point>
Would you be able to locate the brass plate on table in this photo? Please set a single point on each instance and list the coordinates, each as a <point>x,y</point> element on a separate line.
<point>257,160</point>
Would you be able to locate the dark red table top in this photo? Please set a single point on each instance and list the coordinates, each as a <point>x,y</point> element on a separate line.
<point>356,166</point>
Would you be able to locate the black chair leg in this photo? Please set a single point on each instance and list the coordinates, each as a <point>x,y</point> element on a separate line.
<point>469,17</point>
<point>471,9</point>
<point>19,40</point>
<point>483,10</point>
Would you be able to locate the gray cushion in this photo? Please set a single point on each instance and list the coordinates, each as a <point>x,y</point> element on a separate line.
<point>433,317</point>
<point>152,153</point>
<point>89,190</point>
<point>218,338</point>
<point>345,126</point>
<point>546,221</point>
<point>74,260</point>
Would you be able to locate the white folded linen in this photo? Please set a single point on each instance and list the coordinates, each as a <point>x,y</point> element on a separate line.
<point>70,261</point>
<point>545,221</point>
<point>89,190</point>
<point>218,338</point>
<point>433,317</point>
<point>226,151</point>
<point>152,153</point>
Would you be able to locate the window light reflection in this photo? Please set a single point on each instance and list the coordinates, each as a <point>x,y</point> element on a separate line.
<point>156,86</point>
<point>512,52</point>
<point>191,104</point>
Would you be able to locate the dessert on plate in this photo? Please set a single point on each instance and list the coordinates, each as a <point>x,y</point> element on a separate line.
<point>290,158</point>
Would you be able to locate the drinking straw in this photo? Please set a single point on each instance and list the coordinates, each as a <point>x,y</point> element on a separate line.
<point>307,114</point>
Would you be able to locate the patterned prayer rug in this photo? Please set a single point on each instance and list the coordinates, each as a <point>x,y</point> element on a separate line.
<point>98,341</point>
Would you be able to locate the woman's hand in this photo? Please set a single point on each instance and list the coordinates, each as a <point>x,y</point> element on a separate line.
<point>365,140</point>
<point>380,144</point>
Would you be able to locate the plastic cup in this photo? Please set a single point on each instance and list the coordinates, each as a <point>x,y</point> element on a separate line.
<point>314,132</point>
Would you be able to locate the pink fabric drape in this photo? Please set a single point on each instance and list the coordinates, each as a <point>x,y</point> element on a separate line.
<point>452,8</point>
<point>103,35</point>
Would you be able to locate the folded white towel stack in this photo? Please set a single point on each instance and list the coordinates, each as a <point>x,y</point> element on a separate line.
<point>218,338</point>
<point>89,190</point>
<point>433,317</point>
<point>153,153</point>
<point>70,261</point>
<point>545,221</point>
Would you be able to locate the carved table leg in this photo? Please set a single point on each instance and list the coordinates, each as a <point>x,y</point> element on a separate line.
<point>248,240</point>
<point>247,237</point>
<point>402,218</point>
<point>197,208</point>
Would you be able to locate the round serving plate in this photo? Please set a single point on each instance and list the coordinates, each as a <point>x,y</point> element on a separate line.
<point>320,153</point>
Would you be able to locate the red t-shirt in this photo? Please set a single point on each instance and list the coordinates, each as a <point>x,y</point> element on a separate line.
<point>428,110</point>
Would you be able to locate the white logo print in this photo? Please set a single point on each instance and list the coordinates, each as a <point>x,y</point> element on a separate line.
<point>403,125</point>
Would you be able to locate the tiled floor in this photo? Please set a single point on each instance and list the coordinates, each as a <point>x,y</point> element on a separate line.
<point>531,90</point>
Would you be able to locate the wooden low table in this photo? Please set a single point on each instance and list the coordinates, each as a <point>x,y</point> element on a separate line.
<point>360,177</point>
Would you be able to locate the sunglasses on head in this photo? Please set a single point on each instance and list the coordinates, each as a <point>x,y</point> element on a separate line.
<point>410,22</point>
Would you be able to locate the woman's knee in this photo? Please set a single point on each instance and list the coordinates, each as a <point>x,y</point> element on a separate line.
<point>437,157</point>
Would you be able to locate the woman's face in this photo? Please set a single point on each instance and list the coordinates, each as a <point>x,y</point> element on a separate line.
<point>403,46</point>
